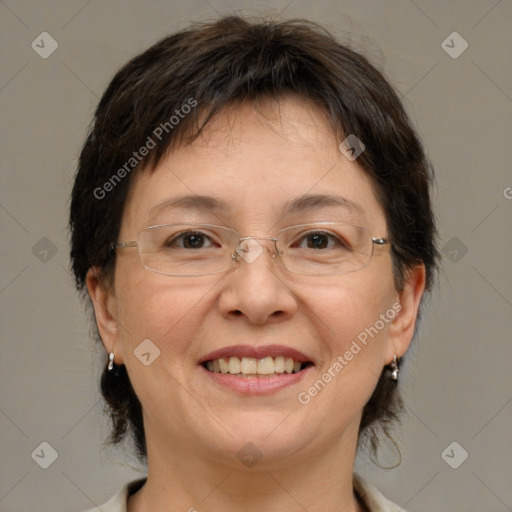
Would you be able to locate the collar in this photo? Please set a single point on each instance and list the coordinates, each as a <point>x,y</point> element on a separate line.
<point>367,493</point>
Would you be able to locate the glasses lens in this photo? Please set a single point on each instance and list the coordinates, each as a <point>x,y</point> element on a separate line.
<point>186,249</point>
<point>326,248</point>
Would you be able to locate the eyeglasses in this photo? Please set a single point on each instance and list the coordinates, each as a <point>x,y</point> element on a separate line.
<point>187,249</point>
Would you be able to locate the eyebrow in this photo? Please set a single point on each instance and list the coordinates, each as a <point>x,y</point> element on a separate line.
<point>190,202</point>
<point>308,202</point>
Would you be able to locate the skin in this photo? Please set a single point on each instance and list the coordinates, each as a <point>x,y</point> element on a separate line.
<point>255,160</point>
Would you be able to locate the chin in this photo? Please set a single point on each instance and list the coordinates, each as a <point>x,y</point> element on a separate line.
<point>260,437</point>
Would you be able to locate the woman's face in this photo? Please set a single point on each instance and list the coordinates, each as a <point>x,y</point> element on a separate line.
<point>254,162</point>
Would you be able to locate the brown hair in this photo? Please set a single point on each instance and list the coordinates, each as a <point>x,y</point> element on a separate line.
<point>216,65</point>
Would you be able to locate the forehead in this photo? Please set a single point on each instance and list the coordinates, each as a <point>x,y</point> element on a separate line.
<point>261,163</point>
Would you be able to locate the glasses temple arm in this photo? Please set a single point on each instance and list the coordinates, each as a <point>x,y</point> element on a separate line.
<point>123,245</point>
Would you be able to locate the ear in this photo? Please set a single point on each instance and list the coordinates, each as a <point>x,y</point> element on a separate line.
<point>104,303</point>
<point>401,329</point>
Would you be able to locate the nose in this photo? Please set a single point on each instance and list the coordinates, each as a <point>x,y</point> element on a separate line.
<point>255,288</point>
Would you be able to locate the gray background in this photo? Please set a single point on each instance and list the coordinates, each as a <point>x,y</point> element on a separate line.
<point>458,383</point>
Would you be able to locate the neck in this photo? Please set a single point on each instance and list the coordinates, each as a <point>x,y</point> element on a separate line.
<point>183,479</point>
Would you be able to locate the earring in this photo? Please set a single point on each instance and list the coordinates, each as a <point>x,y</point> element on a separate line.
<point>394,369</point>
<point>110,366</point>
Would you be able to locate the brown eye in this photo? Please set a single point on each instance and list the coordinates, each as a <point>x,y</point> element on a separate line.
<point>189,240</point>
<point>317,241</point>
<point>320,240</point>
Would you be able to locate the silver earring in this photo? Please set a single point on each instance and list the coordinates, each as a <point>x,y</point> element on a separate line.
<point>394,368</point>
<point>110,361</point>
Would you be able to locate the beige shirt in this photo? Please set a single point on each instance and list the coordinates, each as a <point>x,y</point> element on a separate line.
<point>370,496</point>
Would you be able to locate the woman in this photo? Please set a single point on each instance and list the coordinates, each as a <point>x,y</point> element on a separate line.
<point>252,222</point>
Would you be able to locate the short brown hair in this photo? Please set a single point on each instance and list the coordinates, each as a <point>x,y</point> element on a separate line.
<point>218,64</point>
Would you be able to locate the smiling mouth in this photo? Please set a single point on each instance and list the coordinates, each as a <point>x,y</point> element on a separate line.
<point>253,367</point>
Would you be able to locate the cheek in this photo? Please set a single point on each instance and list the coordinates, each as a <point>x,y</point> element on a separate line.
<point>354,340</point>
<point>164,309</point>
<point>345,313</point>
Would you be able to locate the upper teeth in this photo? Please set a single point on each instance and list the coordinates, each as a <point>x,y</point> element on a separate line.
<point>251,365</point>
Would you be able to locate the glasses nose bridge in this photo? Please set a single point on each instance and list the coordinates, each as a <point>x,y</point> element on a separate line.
<point>273,239</point>
<point>240,247</point>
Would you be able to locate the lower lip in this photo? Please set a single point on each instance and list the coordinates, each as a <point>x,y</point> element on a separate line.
<point>251,386</point>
